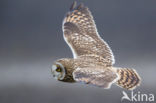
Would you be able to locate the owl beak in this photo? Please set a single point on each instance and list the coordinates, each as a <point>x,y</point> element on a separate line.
<point>54,75</point>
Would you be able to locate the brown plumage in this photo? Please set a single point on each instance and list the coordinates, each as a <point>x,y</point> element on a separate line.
<point>93,59</point>
<point>80,21</point>
<point>128,78</point>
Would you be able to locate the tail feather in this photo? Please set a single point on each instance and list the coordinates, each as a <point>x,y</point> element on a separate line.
<point>128,78</point>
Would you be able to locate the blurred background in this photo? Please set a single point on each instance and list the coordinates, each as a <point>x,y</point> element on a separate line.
<point>31,40</point>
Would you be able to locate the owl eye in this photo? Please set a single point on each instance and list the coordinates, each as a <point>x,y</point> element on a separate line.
<point>58,69</point>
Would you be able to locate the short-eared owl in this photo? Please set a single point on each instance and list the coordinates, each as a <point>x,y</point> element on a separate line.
<point>93,59</point>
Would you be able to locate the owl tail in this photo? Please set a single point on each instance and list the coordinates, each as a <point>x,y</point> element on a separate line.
<point>128,78</point>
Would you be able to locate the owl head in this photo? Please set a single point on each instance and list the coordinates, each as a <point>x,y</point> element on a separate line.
<point>62,70</point>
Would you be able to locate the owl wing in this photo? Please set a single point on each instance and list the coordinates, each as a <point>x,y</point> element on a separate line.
<point>81,35</point>
<point>99,77</point>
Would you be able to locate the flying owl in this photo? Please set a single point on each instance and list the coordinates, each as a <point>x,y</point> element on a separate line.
<point>93,60</point>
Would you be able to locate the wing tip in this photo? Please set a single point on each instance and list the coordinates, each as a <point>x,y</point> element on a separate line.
<point>80,6</point>
<point>75,7</point>
<point>72,7</point>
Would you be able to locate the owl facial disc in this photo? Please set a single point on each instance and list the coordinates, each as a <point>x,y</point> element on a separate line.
<point>58,71</point>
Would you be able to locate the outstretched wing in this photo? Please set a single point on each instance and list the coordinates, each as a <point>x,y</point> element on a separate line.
<point>99,77</point>
<point>81,35</point>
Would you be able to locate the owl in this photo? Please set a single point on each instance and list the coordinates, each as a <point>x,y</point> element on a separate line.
<point>93,60</point>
